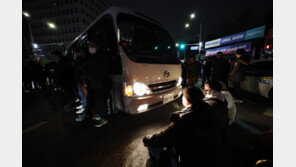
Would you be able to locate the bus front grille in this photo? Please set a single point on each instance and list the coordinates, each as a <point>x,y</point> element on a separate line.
<point>159,87</point>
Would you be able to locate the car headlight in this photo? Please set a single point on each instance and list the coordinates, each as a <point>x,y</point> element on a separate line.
<point>141,89</point>
<point>179,82</point>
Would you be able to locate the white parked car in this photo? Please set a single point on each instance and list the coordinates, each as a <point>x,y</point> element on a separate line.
<point>259,78</point>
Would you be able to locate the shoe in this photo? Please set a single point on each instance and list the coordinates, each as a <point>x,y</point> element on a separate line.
<point>77,102</point>
<point>80,111</point>
<point>96,117</point>
<point>100,122</point>
<point>80,118</point>
<point>79,107</point>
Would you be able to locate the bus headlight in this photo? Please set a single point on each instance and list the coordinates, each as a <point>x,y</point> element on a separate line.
<point>138,89</point>
<point>141,89</point>
<point>179,82</point>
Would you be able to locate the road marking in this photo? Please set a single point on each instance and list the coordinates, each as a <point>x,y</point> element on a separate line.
<point>34,127</point>
<point>247,126</point>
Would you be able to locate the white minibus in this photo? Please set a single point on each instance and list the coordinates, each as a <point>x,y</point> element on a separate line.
<point>146,71</point>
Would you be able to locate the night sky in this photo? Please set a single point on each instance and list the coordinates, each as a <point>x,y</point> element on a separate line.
<point>173,14</point>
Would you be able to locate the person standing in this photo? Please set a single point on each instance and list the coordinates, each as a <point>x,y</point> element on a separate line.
<point>220,69</point>
<point>193,69</point>
<point>65,78</point>
<point>99,85</point>
<point>81,77</point>
<point>236,74</point>
<point>206,70</point>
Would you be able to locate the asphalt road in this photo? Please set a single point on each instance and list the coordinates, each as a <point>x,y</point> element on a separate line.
<point>53,138</point>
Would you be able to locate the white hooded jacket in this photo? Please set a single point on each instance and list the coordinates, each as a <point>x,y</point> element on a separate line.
<point>230,105</point>
<point>225,95</point>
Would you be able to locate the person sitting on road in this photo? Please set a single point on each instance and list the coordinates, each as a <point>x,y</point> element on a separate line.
<point>215,89</point>
<point>218,102</point>
<point>195,134</point>
<point>230,103</point>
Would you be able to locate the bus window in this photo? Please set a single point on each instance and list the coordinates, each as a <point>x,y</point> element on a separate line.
<point>105,34</point>
<point>146,42</point>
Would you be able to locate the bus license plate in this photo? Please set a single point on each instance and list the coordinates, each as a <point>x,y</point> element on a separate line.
<point>168,98</point>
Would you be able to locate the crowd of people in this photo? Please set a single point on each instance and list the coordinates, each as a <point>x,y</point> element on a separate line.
<point>216,68</point>
<point>85,79</point>
<point>197,134</point>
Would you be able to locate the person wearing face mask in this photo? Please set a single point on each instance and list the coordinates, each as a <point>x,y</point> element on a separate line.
<point>99,84</point>
<point>193,133</point>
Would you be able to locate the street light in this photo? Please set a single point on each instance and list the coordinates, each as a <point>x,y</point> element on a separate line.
<point>177,44</point>
<point>35,46</point>
<point>26,14</point>
<point>51,25</point>
<point>192,16</point>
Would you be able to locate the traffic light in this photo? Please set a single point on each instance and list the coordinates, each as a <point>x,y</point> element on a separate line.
<point>182,46</point>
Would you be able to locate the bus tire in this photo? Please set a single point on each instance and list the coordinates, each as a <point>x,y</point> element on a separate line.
<point>111,106</point>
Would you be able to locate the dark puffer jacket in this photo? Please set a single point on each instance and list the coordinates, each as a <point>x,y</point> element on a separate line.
<point>99,71</point>
<point>195,134</point>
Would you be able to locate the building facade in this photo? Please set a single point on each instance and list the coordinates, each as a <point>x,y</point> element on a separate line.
<point>55,23</point>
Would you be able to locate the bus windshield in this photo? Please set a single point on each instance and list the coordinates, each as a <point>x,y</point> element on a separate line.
<point>145,41</point>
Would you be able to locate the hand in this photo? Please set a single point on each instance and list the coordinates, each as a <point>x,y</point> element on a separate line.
<point>146,139</point>
<point>174,117</point>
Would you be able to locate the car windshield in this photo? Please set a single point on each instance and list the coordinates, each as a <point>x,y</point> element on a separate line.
<point>145,41</point>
